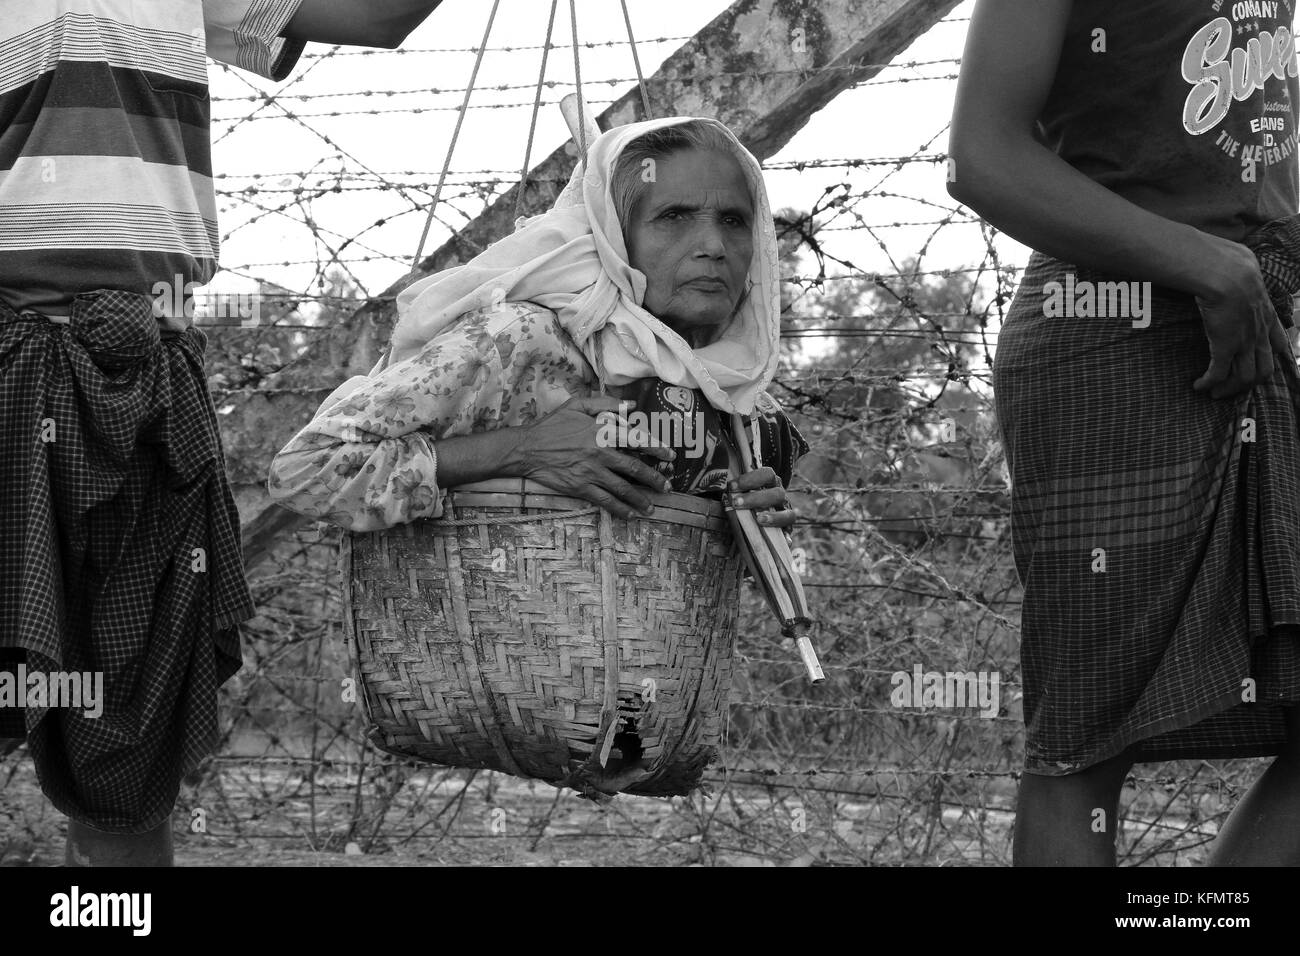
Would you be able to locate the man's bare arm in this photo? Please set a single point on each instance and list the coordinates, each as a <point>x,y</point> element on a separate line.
<point>1015,182</point>
<point>377,23</point>
<point>1018,184</point>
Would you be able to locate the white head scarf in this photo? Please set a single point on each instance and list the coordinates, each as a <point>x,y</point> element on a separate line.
<point>573,261</point>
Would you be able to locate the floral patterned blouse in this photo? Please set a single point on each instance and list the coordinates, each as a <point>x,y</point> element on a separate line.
<point>365,462</point>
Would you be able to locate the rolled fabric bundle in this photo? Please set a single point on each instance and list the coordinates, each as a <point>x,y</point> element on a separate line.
<point>682,419</point>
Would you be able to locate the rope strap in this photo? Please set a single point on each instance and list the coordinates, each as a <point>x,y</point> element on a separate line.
<point>532,126</point>
<point>636,60</point>
<point>451,147</point>
<point>577,81</point>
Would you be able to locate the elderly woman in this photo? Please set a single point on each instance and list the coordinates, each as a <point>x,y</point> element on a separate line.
<point>658,267</point>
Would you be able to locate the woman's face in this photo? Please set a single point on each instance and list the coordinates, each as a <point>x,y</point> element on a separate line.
<point>692,235</point>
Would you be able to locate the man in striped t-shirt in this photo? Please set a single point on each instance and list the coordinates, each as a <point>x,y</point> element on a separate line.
<point>120,568</point>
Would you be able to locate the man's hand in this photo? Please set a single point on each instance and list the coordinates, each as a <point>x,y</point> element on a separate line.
<point>1241,324</point>
<point>377,23</point>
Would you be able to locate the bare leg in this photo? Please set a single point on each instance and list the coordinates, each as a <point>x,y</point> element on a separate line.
<point>1071,820</point>
<point>1264,828</point>
<point>87,847</point>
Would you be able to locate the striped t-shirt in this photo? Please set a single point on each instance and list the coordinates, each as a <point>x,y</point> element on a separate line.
<point>105,151</point>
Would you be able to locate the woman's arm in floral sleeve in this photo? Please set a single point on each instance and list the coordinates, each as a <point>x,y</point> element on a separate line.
<point>367,461</point>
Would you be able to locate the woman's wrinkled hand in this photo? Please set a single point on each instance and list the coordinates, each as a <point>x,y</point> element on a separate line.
<point>761,488</point>
<point>1241,324</point>
<point>568,451</point>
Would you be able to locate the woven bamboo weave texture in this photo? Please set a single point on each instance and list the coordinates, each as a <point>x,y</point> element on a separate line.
<point>485,640</point>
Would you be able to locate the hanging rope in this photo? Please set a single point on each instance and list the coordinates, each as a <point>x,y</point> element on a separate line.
<point>537,103</point>
<point>636,61</point>
<point>446,166</point>
<point>582,107</point>
<point>577,79</point>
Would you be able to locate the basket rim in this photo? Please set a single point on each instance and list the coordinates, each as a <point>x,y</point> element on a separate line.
<point>695,504</point>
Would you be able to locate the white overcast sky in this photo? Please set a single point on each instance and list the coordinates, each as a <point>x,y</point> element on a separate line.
<point>882,118</point>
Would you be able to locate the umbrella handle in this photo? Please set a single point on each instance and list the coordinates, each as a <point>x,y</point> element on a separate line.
<point>807,653</point>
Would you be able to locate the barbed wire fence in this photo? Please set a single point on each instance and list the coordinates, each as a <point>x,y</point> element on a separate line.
<point>903,539</point>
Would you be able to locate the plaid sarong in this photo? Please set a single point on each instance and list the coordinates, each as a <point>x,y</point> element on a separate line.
<point>1156,530</point>
<point>119,552</point>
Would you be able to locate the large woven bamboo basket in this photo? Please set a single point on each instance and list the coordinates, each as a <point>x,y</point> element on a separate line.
<point>533,633</point>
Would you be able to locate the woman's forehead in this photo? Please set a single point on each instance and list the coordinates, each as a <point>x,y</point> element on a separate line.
<point>699,177</point>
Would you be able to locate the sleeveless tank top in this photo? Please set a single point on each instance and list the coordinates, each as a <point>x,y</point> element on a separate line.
<point>1184,107</point>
